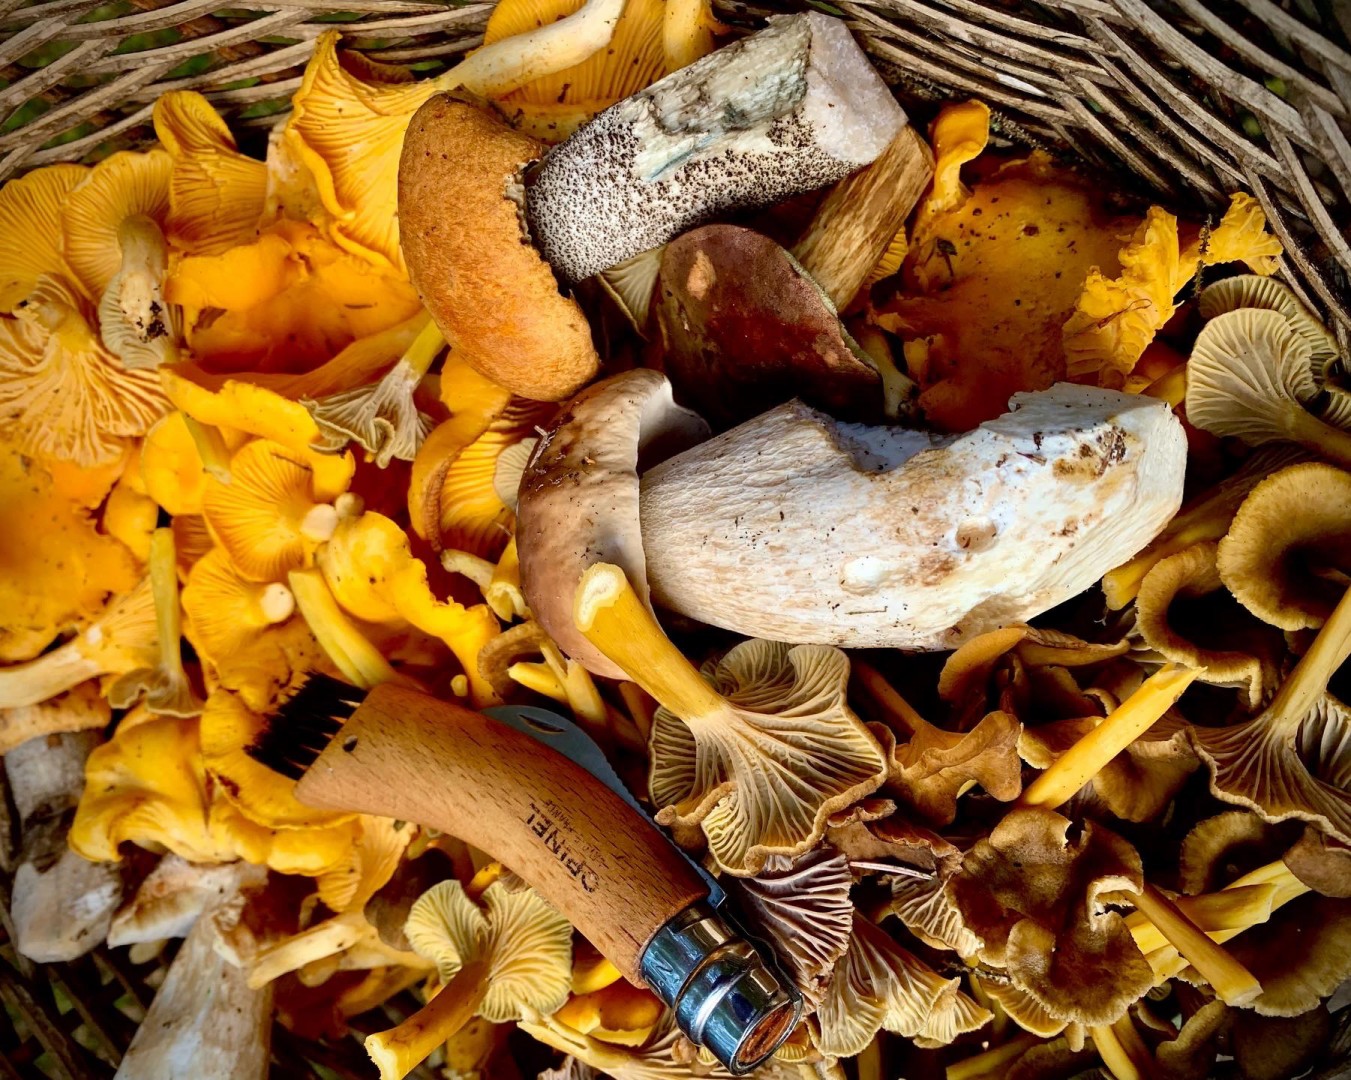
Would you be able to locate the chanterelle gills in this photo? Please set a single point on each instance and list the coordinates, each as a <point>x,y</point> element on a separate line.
<point>794,107</point>
<point>796,527</point>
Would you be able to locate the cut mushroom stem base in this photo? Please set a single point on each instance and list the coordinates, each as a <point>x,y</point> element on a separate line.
<point>1131,719</point>
<point>401,1049</point>
<point>1233,983</point>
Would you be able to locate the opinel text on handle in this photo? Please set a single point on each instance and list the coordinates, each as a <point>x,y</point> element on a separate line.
<point>604,866</point>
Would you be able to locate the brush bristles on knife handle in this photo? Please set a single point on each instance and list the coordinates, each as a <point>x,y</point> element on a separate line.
<point>406,755</point>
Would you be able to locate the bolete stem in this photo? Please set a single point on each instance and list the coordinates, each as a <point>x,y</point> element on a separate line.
<point>1233,983</point>
<point>1087,757</point>
<point>401,1049</point>
<point>608,612</point>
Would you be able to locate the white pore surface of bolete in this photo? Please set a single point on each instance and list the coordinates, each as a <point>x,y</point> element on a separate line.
<point>578,499</point>
<point>796,527</point>
<point>794,107</point>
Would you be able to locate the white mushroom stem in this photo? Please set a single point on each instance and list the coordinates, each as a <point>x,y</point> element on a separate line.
<point>61,905</point>
<point>205,1021</point>
<point>795,527</point>
<point>791,108</point>
<point>509,64</point>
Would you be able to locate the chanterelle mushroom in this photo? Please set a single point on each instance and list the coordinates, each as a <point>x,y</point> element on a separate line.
<point>795,527</point>
<point>515,956</point>
<point>578,501</point>
<point>759,759</point>
<point>791,108</point>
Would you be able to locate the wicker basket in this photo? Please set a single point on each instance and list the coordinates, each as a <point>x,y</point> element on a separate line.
<point>1187,99</point>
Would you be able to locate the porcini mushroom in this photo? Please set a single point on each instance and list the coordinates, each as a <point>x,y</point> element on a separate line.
<point>745,328</point>
<point>890,537</point>
<point>578,501</point>
<point>760,758</point>
<point>171,897</point>
<point>538,344</point>
<point>1251,376</point>
<point>791,108</point>
<point>515,956</point>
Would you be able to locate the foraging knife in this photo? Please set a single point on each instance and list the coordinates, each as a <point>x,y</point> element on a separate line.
<point>532,790</point>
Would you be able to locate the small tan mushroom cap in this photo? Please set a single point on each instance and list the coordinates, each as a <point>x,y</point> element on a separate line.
<point>492,295</point>
<point>1293,528</point>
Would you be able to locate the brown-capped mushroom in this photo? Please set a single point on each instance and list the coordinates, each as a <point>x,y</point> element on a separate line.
<point>578,500</point>
<point>744,328</point>
<point>1268,294</point>
<point>1184,614</point>
<point>493,297</point>
<point>795,527</point>
<point>794,107</point>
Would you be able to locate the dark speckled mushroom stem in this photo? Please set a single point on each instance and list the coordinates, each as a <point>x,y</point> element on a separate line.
<point>794,107</point>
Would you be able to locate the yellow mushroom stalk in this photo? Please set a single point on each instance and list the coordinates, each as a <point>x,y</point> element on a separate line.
<point>137,324</point>
<point>122,640</point>
<point>1233,983</point>
<point>382,417</point>
<point>211,448</point>
<point>352,654</point>
<point>400,1050</point>
<point>1086,758</point>
<point>1122,1050</point>
<point>994,1062</point>
<point>166,687</point>
<point>512,956</point>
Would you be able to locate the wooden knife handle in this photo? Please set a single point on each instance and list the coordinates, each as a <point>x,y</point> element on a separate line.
<point>605,867</point>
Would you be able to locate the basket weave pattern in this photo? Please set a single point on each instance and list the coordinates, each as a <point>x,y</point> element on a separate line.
<point>1194,98</point>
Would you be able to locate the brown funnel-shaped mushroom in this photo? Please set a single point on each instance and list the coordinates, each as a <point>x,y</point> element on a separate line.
<point>745,328</point>
<point>578,500</point>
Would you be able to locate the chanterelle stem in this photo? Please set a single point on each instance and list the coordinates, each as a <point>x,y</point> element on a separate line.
<point>1233,983</point>
<point>1131,719</point>
<point>1308,682</point>
<point>399,1050</point>
<point>614,620</point>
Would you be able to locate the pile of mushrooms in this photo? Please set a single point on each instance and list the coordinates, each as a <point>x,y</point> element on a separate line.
<point>959,574</point>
